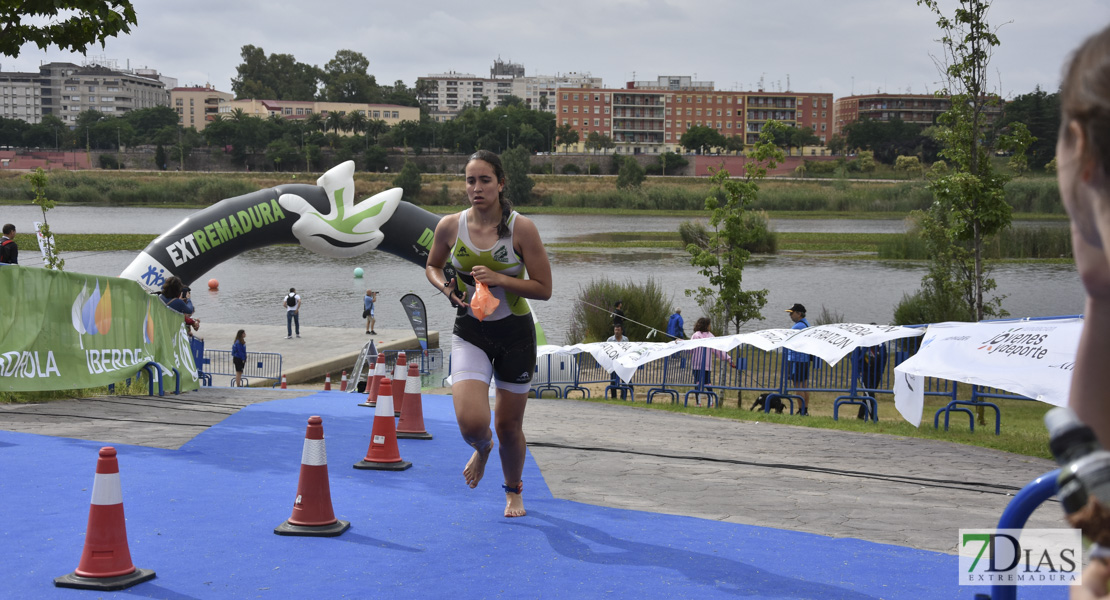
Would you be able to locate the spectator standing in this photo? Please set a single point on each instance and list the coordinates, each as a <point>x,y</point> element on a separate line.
<point>368,310</point>
<point>239,356</point>
<point>702,364</point>
<point>675,326</point>
<point>9,250</point>
<point>292,304</point>
<point>618,314</point>
<point>618,336</point>
<point>872,367</point>
<point>797,363</point>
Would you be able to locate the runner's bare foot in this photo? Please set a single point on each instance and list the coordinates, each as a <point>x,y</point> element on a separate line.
<point>514,503</point>
<point>476,467</point>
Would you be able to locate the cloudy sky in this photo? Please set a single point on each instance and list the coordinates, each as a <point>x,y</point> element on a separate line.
<point>837,46</point>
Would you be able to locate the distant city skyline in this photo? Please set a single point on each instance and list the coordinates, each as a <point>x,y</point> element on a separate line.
<point>812,46</point>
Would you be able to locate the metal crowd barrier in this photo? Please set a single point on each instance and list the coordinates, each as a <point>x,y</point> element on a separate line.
<point>259,365</point>
<point>562,375</point>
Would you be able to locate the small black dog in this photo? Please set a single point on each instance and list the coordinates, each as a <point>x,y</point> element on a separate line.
<point>761,403</point>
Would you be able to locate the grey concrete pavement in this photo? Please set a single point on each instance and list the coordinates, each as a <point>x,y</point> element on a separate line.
<point>319,350</point>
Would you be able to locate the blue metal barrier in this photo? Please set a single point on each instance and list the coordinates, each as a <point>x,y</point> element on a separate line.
<point>1017,513</point>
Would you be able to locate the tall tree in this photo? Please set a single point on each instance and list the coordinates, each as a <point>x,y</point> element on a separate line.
<point>565,135</point>
<point>969,204</point>
<point>69,25</point>
<point>722,260</point>
<point>346,79</point>
<point>276,77</point>
<point>1040,112</point>
<point>517,163</point>
<point>700,139</point>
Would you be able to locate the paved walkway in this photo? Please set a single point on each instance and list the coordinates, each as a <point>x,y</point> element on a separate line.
<point>319,350</point>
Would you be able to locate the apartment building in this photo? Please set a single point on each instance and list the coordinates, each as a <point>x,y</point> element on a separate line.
<point>295,110</point>
<point>21,96</point>
<point>69,89</point>
<point>447,94</point>
<point>652,119</point>
<point>65,90</point>
<point>919,109</point>
<point>197,106</point>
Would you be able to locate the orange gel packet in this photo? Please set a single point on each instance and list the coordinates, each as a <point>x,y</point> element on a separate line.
<point>483,303</point>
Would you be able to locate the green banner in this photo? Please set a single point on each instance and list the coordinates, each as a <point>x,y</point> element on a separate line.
<point>63,331</point>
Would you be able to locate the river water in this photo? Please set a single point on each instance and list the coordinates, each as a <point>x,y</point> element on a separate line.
<point>252,284</point>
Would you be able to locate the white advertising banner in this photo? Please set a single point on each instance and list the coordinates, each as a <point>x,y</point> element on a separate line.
<point>830,342</point>
<point>1028,358</point>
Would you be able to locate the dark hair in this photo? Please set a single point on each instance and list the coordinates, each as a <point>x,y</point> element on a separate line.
<point>240,334</point>
<point>499,172</point>
<point>1085,97</point>
<point>172,287</point>
<point>702,324</point>
<point>9,228</point>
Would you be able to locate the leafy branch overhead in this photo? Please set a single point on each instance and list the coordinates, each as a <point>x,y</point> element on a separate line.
<point>72,25</point>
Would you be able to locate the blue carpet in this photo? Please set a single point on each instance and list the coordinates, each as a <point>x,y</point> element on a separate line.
<point>203,516</point>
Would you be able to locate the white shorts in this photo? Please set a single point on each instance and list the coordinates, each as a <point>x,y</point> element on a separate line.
<point>469,362</point>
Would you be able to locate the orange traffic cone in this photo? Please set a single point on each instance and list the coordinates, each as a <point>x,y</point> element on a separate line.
<point>106,560</point>
<point>400,374</point>
<point>343,382</point>
<point>375,382</point>
<point>327,382</point>
<point>383,453</point>
<point>283,382</point>
<point>312,512</point>
<point>411,425</point>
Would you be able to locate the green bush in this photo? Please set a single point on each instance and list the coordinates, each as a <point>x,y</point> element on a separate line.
<point>760,239</point>
<point>924,306</point>
<point>1034,195</point>
<point>1013,242</point>
<point>571,169</point>
<point>108,161</point>
<point>645,308</point>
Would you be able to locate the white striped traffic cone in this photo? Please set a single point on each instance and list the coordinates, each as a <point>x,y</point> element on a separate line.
<point>106,560</point>
<point>375,381</point>
<point>400,375</point>
<point>411,425</point>
<point>312,511</point>
<point>283,381</point>
<point>327,382</point>
<point>383,453</point>
<point>343,382</point>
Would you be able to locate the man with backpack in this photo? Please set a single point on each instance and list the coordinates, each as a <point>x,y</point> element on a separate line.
<point>292,304</point>
<point>9,251</point>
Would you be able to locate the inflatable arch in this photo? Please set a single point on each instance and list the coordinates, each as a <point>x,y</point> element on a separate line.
<point>323,218</point>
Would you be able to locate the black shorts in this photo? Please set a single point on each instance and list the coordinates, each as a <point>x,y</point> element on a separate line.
<point>239,364</point>
<point>509,344</point>
<point>798,371</point>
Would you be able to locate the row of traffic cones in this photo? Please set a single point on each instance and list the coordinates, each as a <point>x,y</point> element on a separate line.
<point>106,558</point>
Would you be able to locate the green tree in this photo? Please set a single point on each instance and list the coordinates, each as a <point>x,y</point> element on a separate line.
<point>701,139</point>
<point>1040,112</point>
<point>565,135</point>
<point>672,161</point>
<point>969,204</point>
<point>631,174</point>
<point>274,77</point>
<point>160,158</point>
<point>68,25</point>
<point>346,79</point>
<point>409,180</point>
<point>517,163</point>
<point>722,259</point>
<point>38,181</point>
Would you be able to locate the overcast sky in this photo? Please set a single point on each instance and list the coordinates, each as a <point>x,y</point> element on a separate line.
<point>837,46</point>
